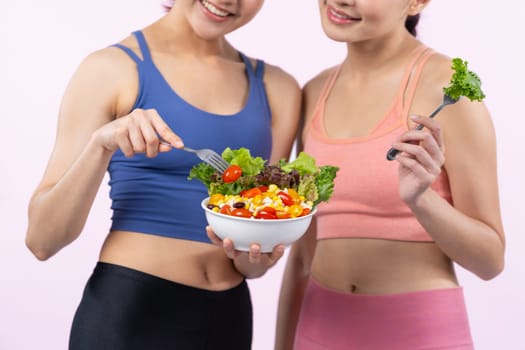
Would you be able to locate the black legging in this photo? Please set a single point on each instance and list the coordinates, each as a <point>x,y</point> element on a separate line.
<point>125,309</point>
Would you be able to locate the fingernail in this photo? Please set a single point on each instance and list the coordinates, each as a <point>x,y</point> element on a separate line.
<point>414,117</point>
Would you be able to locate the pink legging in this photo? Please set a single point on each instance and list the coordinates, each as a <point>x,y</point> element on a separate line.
<point>434,319</point>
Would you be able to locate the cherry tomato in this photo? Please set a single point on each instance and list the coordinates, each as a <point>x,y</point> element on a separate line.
<point>232,174</point>
<point>252,192</point>
<point>226,209</point>
<point>270,210</point>
<point>267,214</point>
<point>305,212</point>
<point>241,212</point>
<point>263,188</point>
<point>285,198</point>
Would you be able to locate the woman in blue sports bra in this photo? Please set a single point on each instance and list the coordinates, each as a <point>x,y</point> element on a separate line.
<point>160,281</point>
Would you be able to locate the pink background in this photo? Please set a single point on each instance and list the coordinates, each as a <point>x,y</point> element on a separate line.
<point>42,42</point>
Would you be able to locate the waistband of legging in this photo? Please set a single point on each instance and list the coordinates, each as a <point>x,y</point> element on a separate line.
<point>418,293</point>
<point>160,282</point>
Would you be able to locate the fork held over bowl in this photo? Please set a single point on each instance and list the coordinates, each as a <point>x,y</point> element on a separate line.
<point>447,100</point>
<point>208,156</point>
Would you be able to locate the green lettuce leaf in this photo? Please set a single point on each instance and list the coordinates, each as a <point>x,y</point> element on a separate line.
<point>243,158</point>
<point>204,173</point>
<point>303,163</point>
<point>464,82</point>
<point>324,182</point>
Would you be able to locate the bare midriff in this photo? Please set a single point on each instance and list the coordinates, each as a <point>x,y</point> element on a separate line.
<point>195,264</point>
<point>375,266</point>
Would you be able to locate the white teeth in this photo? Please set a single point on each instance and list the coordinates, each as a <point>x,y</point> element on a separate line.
<point>214,10</point>
<point>338,15</point>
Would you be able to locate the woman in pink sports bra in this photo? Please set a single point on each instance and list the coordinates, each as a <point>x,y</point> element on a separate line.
<point>376,269</point>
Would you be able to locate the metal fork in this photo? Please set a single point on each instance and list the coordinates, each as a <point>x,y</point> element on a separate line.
<point>210,157</point>
<point>447,100</point>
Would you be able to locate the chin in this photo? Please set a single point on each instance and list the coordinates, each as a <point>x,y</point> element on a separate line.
<point>336,35</point>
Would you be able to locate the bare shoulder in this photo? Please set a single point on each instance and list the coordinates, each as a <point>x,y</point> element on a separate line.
<point>435,76</point>
<point>312,91</point>
<point>429,93</point>
<point>467,125</point>
<point>101,68</point>
<point>283,91</point>
<point>284,99</point>
<point>277,78</point>
<point>441,67</point>
<point>103,87</point>
<point>108,76</point>
<point>109,60</point>
<point>313,87</point>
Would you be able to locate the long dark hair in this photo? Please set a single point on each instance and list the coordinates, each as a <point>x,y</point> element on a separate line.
<point>411,24</point>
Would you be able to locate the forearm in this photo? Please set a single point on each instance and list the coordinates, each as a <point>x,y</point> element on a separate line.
<point>291,295</point>
<point>57,213</point>
<point>471,243</point>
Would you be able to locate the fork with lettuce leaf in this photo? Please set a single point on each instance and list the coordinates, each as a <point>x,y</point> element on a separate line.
<point>463,82</point>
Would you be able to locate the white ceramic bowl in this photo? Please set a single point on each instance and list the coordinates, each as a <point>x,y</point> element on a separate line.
<point>245,231</point>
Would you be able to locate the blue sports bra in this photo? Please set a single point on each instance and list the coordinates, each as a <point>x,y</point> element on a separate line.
<point>153,195</point>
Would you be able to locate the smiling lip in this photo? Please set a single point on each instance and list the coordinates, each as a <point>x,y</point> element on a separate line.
<point>339,17</point>
<point>213,12</point>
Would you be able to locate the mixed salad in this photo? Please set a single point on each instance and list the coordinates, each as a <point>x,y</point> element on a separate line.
<point>250,188</point>
<point>464,82</point>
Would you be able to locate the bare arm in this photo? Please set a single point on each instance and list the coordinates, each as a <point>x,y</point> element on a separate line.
<point>87,136</point>
<point>471,163</point>
<point>284,95</point>
<point>298,264</point>
<point>470,230</point>
<point>294,281</point>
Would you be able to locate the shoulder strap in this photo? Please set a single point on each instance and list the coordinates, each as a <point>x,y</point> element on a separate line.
<point>413,78</point>
<point>318,112</point>
<point>146,56</point>
<point>130,53</point>
<point>330,81</point>
<point>248,64</point>
<point>259,69</point>
<point>256,81</point>
<point>144,49</point>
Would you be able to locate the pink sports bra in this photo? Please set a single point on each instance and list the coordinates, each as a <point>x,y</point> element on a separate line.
<point>366,201</point>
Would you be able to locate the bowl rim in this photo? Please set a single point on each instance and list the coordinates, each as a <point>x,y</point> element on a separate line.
<point>204,202</point>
